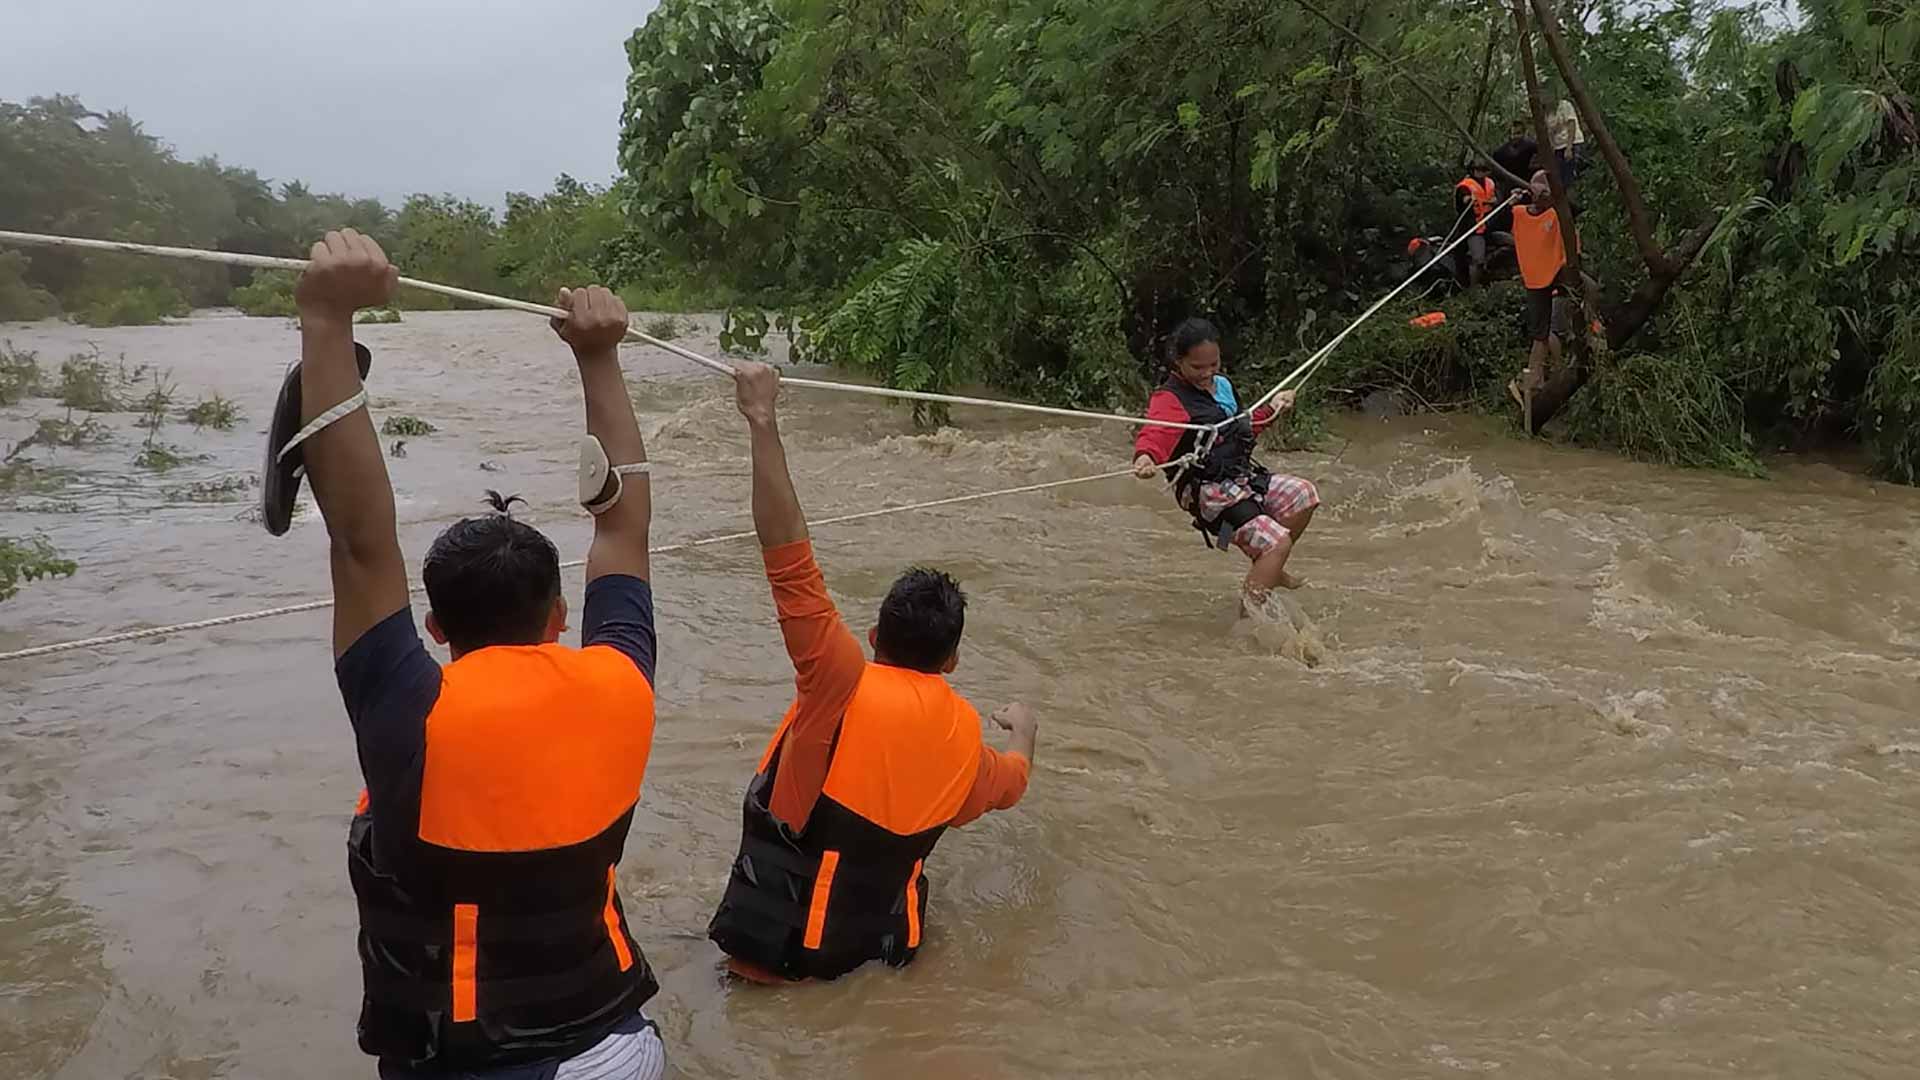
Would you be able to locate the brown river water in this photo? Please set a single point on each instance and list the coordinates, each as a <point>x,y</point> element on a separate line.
<point>1561,766</point>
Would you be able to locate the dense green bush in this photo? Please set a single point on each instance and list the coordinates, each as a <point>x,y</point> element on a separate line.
<point>139,305</point>
<point>20,300</point>
<point>268,295</point>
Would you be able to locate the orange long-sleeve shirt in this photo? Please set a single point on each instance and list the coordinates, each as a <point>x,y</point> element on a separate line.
<point>828,665</point>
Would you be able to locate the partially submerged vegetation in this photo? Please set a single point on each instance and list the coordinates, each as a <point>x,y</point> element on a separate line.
<point>406,426</point>
<point>216,412</point>
<point>29,559</point>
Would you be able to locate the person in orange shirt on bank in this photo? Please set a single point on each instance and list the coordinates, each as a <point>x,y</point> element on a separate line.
<point>872,763</point>
<point>1543,264</point>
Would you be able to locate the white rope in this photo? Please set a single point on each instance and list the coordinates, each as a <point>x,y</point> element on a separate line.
<point>1299,375</point>
<point>269,262</point>
<point>322,422</point>
<point>327,602</point>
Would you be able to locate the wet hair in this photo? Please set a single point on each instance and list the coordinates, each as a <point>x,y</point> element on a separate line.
<point>1189,335</point>
<point>921,620</point>
<point>492,580</point>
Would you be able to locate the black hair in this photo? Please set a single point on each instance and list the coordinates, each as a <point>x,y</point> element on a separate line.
<point>1190,334</point>
<point>492,580</point>
<point>921,620</point>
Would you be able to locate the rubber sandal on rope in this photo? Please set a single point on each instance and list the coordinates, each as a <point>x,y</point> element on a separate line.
<point>284,467</point>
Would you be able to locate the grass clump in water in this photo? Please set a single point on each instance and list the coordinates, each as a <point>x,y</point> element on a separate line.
<point>29,560</point>
<point>19,374</point>
<point>58,431</point>
<point>664,327</point>
<point>378,316</point>
<point>407,427</point>
<point>91,384</point>
<point>216,412</point>
<point>224,489</point>
<point>155,455</point>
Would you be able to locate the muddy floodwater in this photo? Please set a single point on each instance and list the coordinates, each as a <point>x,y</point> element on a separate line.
<point>1560,766</point>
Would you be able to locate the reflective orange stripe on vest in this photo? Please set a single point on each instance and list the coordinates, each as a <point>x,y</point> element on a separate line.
<point>822,890</point>
<point>466,935</point>
<point>611,915</point>
<point>913,905</point>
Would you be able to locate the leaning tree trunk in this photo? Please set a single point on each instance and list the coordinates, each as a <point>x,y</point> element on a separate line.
<point>1664,268</point>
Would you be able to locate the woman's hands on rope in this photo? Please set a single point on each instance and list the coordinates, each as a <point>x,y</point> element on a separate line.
<point>1145,468</point>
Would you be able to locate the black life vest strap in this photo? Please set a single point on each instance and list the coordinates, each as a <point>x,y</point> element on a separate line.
<point>765,851</point>
<point>548,926</point>
<point>437,995</point>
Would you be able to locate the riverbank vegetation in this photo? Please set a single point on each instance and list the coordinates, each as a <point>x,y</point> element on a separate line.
<point>1029,192</point>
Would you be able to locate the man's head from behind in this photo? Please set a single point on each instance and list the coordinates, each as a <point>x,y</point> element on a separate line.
<point>920,623</point>
<point>493,581</point>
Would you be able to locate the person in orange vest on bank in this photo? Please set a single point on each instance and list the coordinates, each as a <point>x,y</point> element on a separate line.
<point>1542,255</point>
<point>1476,191</point>
<point>872,763</point>
<point>500,787</point>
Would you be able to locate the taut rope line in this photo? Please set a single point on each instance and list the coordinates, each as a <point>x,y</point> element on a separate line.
<point>270,262</point>
<point>327,602</point>
<point>1301,374</point>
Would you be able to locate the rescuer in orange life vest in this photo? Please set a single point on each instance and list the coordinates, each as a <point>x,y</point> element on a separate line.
<point>499,788</point>
<point>1476,191</point>
<point>872,762</point>
<point>1542,254</point>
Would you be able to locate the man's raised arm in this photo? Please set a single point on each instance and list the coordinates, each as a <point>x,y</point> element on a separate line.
<point>343,461</point>
<point>596,323</point>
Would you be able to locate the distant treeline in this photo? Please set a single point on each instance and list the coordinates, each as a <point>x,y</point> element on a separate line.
<point>67,169</point>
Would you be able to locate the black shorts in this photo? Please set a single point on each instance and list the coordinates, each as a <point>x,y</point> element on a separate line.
<point>1540,321</point>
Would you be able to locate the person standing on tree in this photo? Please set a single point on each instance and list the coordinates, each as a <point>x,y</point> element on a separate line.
<point>1569,139</point>
<point>1542,256</point>
<point>1516,154</point>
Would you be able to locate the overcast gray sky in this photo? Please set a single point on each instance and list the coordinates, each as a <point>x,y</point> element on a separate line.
<point>363,97</point>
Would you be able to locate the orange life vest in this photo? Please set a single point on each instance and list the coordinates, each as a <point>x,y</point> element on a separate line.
<point>491,933</point>
<point>1537,246</point>
<point>851,886</point>
<point>1482,194</point>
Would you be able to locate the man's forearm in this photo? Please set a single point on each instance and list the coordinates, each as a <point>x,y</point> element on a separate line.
<point>344,465</point>
<point>777,517</point>
<point>609,410</point>
<point>620,534</point>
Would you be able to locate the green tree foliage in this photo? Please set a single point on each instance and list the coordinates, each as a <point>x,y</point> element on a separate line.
<point>1028,192</point>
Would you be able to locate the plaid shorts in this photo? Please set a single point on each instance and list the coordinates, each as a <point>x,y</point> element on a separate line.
<point>1285,496</point>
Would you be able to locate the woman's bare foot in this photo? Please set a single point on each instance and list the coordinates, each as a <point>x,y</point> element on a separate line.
<point>1288,581</point>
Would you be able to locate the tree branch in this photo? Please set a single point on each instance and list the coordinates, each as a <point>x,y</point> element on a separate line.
<point>1486,73</point>
<point>1636,205</point>
<point>1394,67</point>
<point>1569,233</point>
